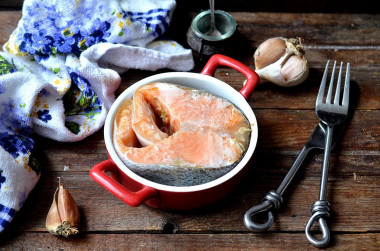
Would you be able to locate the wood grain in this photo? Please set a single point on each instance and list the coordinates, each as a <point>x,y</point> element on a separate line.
<point>122,241</point>
<point>360,142</point>
<point>102,212</point>
<point>285,116</point>
<point>299,6</point>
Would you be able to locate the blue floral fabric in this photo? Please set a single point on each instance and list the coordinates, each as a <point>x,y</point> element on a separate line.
<point>6,214</point>
<point>47,29</point>
<point>59,71</point>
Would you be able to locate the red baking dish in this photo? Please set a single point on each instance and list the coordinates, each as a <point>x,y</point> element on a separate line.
<point>134,190</point>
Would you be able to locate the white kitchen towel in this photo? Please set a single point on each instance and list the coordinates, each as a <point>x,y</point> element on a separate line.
<point>59,71</point>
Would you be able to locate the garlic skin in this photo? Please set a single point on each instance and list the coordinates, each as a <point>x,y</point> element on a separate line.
<point>282,61</point>
<point>63,217</point>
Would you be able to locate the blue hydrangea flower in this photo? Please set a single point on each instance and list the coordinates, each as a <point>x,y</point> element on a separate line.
<point>2,178</point>
<point>44,115</point>
<point>88,13</point>
<point>82,84</point>
<point>41,41</point>
<point>6,143</point>
<point>38,44</point>
<point>38,24</point>
<point>64,44</point>
<point>44,93</point>
<point>16,144</point>
<point>98,32</point>
<point>2,89</point>
<point>26,44</point>
<point>32,10</point>
<point>13,118</point>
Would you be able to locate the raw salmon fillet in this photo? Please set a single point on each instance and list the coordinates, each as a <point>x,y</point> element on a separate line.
<point>178,136</point>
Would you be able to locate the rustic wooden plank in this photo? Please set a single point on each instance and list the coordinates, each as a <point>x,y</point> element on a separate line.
<point>121,241</point>
<point>8,21</point>
<point>347,6</point>
<point>345,164</point>
<point>322,29</point>
<point>294,127</point>
<point>325,6</point>
<point>282,134</point>
<point>354,202</point>
<point>273,162</point>
<point>318,28</point>
<point>268,95</point>
<point>286,117</point>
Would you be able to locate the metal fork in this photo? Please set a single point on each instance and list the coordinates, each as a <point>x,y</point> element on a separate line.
<point>330,114</point>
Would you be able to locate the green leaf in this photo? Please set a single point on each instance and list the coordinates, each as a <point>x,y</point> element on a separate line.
<point>93,99</point>
<point>66,33</point>
<point>121,34</point>
<point>55,70</point>
<point>69,100</point>
<point>83,101</point>
<point>73,127</point>
<point>5,66</point>
<point>83,47</point>
<point>34,164</point>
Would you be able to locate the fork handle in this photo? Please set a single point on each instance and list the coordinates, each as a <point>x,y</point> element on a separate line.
<point>321,208</point>
<point>326,163</point>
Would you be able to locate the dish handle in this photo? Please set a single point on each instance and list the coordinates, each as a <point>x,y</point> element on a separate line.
<point>252,78</point>
<point>111,183</point>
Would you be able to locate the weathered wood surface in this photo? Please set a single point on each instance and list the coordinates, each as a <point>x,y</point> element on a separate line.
<point>299,6</point>
<point>286,117</point>
<point>216,241</point>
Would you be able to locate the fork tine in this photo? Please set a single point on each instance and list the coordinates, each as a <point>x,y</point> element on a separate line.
<point>346,93</point>
<point>337,91</point>
<point>321,91</point>
<point>329,93</point>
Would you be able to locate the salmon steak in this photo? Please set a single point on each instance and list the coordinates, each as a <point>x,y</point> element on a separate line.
<point>175,135</point>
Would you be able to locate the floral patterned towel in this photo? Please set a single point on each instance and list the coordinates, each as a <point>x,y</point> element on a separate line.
<point>59,71</point>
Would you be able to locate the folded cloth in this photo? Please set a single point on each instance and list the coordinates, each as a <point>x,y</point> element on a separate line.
<point>59,71</point>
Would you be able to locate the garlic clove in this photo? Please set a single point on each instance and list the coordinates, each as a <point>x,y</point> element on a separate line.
<point>67,208</point>
<point>287,69</point>
<point>63,217</point>
<point>269,52</point>
<point>294,70</point>
<point>53,220</point>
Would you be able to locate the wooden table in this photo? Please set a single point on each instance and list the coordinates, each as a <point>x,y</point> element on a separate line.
<point>286,118</point>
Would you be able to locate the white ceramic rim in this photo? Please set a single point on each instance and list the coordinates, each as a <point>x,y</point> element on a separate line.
<point>220,88</point>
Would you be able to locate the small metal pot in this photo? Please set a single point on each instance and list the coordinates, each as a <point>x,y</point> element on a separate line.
<point>134,189</point>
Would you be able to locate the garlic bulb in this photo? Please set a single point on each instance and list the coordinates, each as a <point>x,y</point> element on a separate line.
<point>282,61</point>
<point>63,217</point>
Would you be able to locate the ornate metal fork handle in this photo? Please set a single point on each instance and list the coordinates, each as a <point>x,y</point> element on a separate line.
<point>330,114</point>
